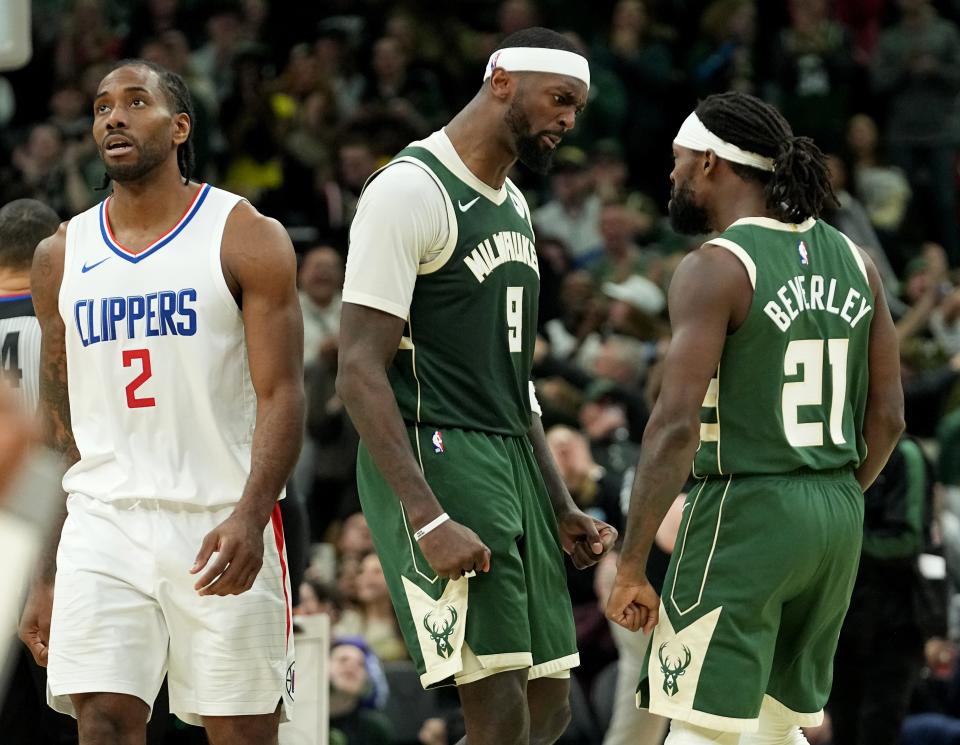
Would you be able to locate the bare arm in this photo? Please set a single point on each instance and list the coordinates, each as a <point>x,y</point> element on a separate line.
<point>700,309</point>
<point>585,539</point>
<point>708,289</point>
<point>369,339</point>
<point>883,419</point>
<point>45,278</point>
<point>260,266</point>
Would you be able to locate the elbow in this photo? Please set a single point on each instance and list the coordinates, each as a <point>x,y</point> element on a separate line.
<point>673,432</point>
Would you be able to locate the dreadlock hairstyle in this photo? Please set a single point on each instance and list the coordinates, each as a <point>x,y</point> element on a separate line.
<point>181,102</point>
<point>799,186</point>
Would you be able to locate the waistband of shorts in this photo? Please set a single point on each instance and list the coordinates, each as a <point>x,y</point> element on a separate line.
<point>427,427</point>
<point>152,505</point>
<point>844,473</point>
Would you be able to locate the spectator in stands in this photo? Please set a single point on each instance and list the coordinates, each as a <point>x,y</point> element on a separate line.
<point>722,60</point>
<point>574,335</point>
<point>637,309</point>
<point>351,683</point>
<point>396,89</point>
<point>321,278</point>
<point>883,188</point>
<point>618,257</point>
<point>637,50</point>
<point>917,71</point>
<point>378,623</point>
<point>573,213</point>
<point>612,419</point>
<point>813,73</point>
<point>318,597</point>
<point>213,61</point>
<point>880,652</point>
<point>598,495</point>
<point>41,169</point>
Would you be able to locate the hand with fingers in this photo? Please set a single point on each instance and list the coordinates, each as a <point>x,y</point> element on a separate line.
<point>453,550</point>
<point>633,603</point>
<point>584,538</point>
<point>34,628</point>
<point>232,554</point>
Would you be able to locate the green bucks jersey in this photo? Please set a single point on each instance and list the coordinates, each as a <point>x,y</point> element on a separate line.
<point>791,387</point>
<point>466,354</point>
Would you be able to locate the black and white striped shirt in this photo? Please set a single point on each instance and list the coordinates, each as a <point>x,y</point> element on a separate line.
<point>20,347</point>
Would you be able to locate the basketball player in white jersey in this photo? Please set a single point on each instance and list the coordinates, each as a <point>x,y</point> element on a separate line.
<point>171,379</point>
<point>23,224</point>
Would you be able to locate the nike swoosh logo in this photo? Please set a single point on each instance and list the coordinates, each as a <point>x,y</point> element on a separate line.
<point>84,269</point>
<point>464,207</point>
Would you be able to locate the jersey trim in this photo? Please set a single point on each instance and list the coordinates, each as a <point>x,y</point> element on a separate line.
<point>713,548</point>
<point>125,253</point>
<point>18,307</point>
<point>858,257</point>
<point>453,228</point>
<point>14,298</point>
<point>771,224</point>
<point>741,254</point>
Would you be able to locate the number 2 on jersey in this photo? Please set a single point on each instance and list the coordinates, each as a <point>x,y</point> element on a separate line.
<point>143,355</point>
<point>809,390</point>
<point>515,318</point>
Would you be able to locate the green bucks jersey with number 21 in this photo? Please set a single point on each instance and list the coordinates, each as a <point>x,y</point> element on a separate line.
<point>465,358</point>
<point>791,387</point>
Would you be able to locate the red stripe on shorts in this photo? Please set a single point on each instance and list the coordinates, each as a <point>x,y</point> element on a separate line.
<point>277,521</point>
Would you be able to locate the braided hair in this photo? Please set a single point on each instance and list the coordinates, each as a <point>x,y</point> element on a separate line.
<point>180,101</point>
<point>799,187</point>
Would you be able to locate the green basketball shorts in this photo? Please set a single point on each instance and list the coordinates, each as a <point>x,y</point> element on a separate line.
<point>758,585</point>
<point>517,615</point>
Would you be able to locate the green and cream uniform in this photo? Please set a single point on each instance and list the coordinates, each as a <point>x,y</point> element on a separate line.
<point>767,551</point>
<point>455,258</point>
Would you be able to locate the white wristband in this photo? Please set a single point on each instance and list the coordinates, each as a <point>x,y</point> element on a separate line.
<point>432,525</point>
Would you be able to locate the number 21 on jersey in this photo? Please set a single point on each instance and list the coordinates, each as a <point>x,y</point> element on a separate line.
<point>806,357</point>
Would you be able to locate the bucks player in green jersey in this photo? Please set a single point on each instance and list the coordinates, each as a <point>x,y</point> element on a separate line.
<point>464,503</point>
<point>782,386</point>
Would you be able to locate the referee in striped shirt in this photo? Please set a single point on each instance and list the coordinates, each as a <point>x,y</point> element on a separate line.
<point>23,224</point>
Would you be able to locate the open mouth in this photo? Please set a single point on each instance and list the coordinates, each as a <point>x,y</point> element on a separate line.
<point>551,141</point>
<point>118,146</point>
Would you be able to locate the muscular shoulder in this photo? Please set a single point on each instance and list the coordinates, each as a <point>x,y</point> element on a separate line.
<point>711,280</point>
<point>46,272</point>
<point>253,244</point>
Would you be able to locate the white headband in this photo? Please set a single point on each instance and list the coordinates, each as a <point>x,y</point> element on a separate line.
<point>535,59</point>
<point>694,135</point>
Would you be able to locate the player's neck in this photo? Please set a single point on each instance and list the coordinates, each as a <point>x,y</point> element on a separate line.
<point>737,205</point>
<point>158,201</point>
<point>480,144</point>
<point>14,281</point>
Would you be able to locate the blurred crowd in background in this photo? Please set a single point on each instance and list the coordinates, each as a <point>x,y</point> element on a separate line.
<point>297,104</point>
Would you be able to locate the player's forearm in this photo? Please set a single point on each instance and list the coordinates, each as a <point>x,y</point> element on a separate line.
<point>669,445</point>
<point>277,436</point>
<point>882,427</point>
<point>560,497</point>
<point>372,406</point>
<point>56,426</point>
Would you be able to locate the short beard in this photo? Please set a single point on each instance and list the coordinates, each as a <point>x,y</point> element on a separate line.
<point>149,159</point>
<point>530,151</point>
<point>686,216</point>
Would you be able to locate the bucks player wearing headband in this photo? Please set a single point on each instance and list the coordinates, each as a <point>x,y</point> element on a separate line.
<point>782,385</point>
<point>465,505</point>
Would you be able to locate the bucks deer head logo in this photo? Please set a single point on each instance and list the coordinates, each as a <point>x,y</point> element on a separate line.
<point>440,631</point>
<point>672,669</point>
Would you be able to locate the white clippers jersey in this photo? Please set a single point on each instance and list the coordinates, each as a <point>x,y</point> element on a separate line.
<point>161,402</point>
<point>20,348</point>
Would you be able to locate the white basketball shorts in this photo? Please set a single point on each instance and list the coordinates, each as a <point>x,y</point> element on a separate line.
<point>125,613</point>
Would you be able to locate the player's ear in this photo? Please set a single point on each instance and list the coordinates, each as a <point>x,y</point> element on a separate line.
<point>502,84</point>
<point>181,128</point>
<point>709,162</point>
